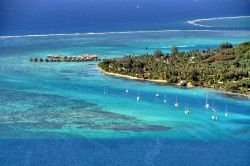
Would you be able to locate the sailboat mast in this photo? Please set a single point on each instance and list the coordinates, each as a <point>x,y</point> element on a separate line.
<point>206,98</point>
<point>104,91</point>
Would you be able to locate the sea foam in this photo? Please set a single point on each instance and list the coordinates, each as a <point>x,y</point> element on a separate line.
<point>195,22</point>
<point>101,33</point>
<point>181,46</point>
<point>115,32</point>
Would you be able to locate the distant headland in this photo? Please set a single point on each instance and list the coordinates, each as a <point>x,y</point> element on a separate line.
<point>226,68</point>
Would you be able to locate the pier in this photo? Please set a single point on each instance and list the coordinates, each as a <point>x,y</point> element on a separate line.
<point>64,58</point>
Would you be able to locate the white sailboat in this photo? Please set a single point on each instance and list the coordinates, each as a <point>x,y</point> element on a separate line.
<point>165,98</point>
<point>214,116</point>
<point>186,111</point>
<point>126,91</point>
<point>138,98</point>
<point>157,93</point>
<point>226,113</point>
<point>207,105</point>
<point>212,107</point>
<point>104,91</point>
<point>176,102</point>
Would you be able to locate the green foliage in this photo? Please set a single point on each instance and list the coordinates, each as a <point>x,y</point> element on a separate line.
<point>223,68</point>
<point>195,75</point>
<point>231,87</point>
<point>174,50</point>
<point>226,45</point>
<point>158,53</point>
<point>244,45</point>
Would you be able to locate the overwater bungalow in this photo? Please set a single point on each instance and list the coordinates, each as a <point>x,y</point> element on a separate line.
<point>64,58</point>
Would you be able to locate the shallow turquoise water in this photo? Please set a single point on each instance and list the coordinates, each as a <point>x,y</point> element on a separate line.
<point>65,100</point>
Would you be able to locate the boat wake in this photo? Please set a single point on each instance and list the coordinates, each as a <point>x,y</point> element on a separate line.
<point>196,22</point>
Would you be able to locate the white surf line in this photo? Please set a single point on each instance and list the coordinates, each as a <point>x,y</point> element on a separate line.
<point>181,46</point>
<point>96,33</point>
<point>195,22</point>
<point>106,33</point>
<point>39,35</point>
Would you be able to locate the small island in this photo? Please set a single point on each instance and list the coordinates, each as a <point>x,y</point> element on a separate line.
<point>226,68</point>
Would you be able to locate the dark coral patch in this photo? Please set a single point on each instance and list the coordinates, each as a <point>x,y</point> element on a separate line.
<point>134,128</point>
<point>126,128</point>
<point>114,115</point>
<point>244,130</point>
<point>40,125</point>
<point>46,112</point>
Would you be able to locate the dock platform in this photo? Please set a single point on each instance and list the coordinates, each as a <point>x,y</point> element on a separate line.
<point>64,58</point>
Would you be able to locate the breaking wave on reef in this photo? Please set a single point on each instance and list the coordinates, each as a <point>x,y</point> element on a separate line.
<point>196,22</point>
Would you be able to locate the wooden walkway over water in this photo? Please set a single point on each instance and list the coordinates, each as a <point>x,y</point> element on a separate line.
<point>64,58</point>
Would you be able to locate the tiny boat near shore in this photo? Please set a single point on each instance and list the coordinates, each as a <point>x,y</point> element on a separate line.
<point>186,111</point>
<point>226,113</point>
<point>207,105</point>
<point>176,102</point>
<point>104,91</point>
<point>157,93</point>
<point>165,98</point>
<point>138,98</point>
<point>214,116</point>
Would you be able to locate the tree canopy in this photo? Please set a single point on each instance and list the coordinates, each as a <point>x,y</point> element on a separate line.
<point>226,45</point>
<point>224,68</point>
<point>174,50</point>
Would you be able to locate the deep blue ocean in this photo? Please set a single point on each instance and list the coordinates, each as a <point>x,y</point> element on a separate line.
<point>56,114</point>
<point>78,16</point>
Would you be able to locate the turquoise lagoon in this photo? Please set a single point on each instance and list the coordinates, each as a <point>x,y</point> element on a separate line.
<point>65,100</point>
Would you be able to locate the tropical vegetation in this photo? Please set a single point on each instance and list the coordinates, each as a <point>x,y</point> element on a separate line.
<point>225,68</point>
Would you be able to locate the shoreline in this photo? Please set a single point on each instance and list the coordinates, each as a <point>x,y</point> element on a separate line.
<point>164,81</point>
